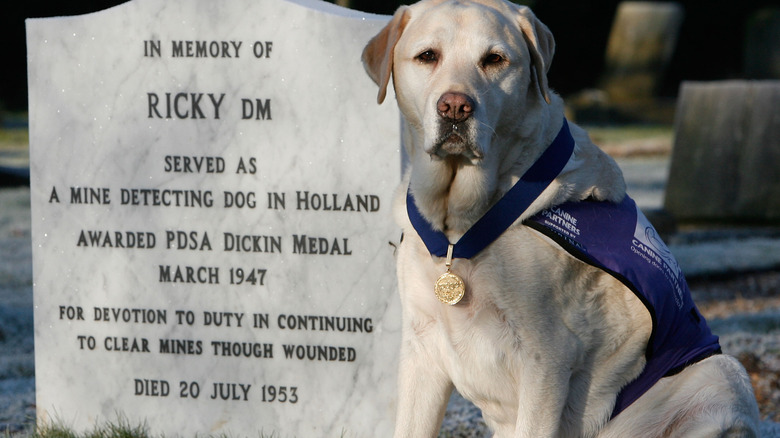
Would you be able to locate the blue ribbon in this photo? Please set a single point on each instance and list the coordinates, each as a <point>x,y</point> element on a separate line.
<point>506,211</point>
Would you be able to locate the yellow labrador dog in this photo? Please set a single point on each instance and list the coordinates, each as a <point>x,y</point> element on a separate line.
<point>529,280</point>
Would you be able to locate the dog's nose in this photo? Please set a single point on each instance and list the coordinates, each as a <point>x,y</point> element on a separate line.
<point>456,107</point>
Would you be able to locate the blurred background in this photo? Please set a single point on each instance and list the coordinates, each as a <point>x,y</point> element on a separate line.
<point>711,40</point>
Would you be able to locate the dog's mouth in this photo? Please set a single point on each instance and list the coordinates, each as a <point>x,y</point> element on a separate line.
<point>455,140</point>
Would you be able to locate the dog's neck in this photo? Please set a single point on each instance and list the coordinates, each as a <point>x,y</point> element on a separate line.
<point>452,196</point>
<point>503,213</point>
<point>453,193</point>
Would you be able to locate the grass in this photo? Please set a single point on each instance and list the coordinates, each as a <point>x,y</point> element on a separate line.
<point>121,428</point>
<point>13,131</point>
<point>623,133</point>
<point>109,430</point>
<point>633,140</point>
<point>14,138</point>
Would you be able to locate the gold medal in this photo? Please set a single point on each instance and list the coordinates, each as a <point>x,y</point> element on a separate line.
<point>449,288</point>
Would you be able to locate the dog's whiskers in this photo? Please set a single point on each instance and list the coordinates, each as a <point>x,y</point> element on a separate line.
<point>490,128</point>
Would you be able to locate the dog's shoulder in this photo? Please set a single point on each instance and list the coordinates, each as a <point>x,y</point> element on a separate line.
<point>600,177</point>
<point>589,174</point>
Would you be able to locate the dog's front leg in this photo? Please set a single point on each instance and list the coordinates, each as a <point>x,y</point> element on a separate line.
<point>542,399</point>
<point>423,392</point>
<point>544,387</point>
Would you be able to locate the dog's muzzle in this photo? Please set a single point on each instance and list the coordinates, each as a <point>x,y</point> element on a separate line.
<point>456,132</point>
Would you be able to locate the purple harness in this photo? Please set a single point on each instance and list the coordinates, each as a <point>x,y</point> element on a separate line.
<point>618,239</point>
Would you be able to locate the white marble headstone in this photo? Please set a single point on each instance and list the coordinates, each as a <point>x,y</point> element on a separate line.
<point>211,190</point>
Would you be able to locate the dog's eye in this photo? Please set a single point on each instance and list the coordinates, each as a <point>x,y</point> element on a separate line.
<point>492,59</point>
<point>427,57</point>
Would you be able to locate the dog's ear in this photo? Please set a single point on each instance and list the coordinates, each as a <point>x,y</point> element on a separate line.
<point>378,54</point>
<point>541,44</point>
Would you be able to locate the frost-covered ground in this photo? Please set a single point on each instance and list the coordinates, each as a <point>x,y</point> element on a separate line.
<point>17,362</point>
<point>735,278</point>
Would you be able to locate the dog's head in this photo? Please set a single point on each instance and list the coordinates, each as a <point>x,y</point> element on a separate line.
<point>462,70</point>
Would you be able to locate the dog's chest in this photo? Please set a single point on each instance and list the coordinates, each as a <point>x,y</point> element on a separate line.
<point>484,356</point>
<point>482,340</point>
<point>530,308</point>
